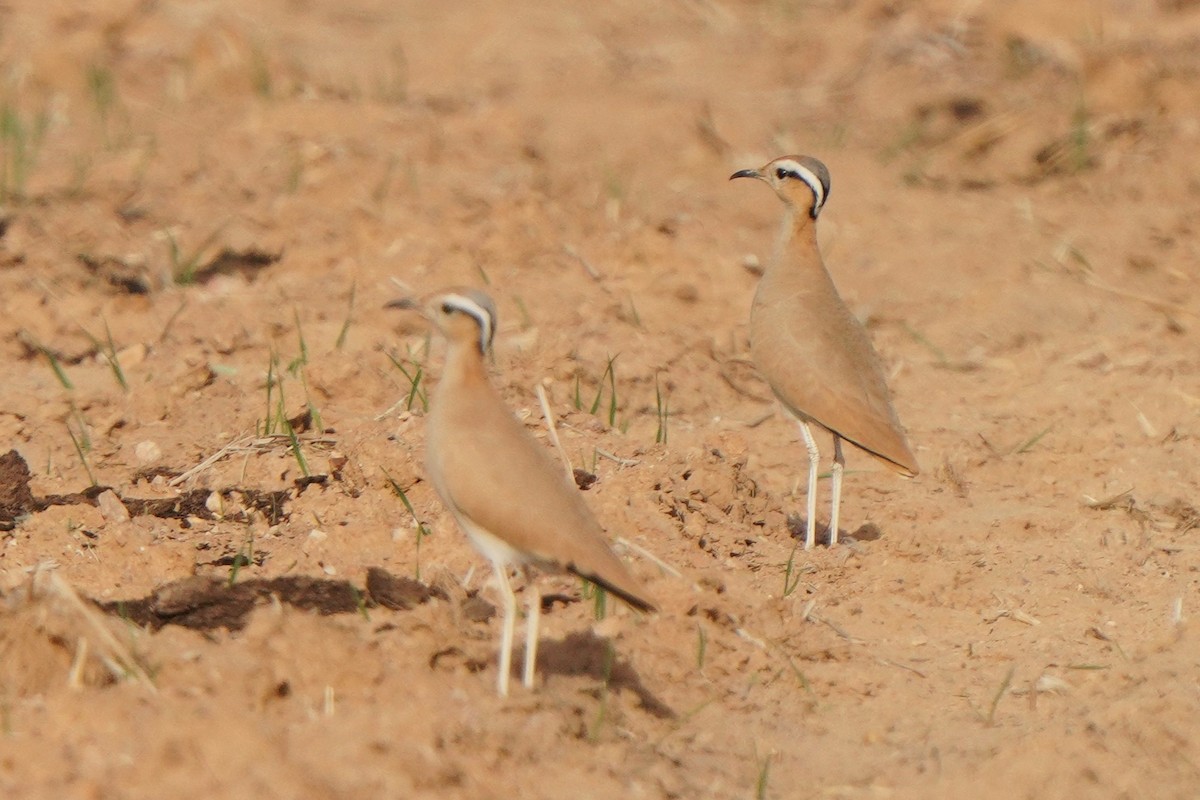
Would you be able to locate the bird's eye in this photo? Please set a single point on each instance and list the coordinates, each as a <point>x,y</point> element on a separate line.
<point>447,308</point>
<point>781,173</point>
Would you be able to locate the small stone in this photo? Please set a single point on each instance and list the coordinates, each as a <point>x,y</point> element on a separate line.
<point>132,355</point>
<point>314,539</point>
<point>687,292</point>
<point>111,507</point>
<point>147,452</point>
<point>476,609</point>
<point>216,504</point>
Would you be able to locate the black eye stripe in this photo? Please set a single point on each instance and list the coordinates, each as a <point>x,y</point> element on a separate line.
<point>475,305</point>
<point>812,172</point>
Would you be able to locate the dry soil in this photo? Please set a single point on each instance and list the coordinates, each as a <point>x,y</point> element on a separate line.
<point>224,575</point>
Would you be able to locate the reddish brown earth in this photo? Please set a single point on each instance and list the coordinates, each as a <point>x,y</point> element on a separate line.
<point>198,188</point>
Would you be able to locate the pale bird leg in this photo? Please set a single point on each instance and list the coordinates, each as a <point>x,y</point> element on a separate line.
<point>533,617</point>
<point>814,464</point>
<point>510,618</point>
<point>839,464</point>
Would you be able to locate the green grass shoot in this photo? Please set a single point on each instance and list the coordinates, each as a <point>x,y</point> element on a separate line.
<point>380,192</point>
<point>108,350</point>
<point>610,656</point>
<point>791,575</point>
<point>82,442</point>
<point>792,572</point>
<point>634,316</point>
<point>260,73</point>
<point>764,773</point>
<point>1028,445</point>
<point>295,174</point>
<point>661,411</point>
<point>422,528</point>
<point>360,603</point>
<point>314,413</point>
<point>483,276</point>
<point>415,391</point>
<point>526,319</point>
<point>922,340</point>
<point>800,676</point>
<point>270,423</point>
<point>276,413</point>
<point>341,338</point>
<point>1080,139</point>
<point>102,86</point>
<point>244,558</point>
<point>611,375</point>
<point>1005,685</point>
<point>301,360</point>
<point>277,419</point>
<point>55,365</point>
<point>598,596</point>
<point>296,368</point>
<point>20,140</point>
<point>294,441</point>
<point>184,266</point>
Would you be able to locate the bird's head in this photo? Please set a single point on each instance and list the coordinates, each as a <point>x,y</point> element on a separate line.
<point>802,182</point>
<point>463,316</point>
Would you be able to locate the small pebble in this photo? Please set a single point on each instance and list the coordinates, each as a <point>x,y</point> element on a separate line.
<point>111,507</point>
<point>147,452</point>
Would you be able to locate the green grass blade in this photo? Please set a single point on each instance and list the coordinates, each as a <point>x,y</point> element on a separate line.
<point>661,411</point>
<point>111,355</point>
<point>82,445</point>
<point>55,365</point>
<point>295,443</point>
<point>422,528</point>
<point>341,338</point>
<point>1027,446</point>
<point>764,773</point>
<point>791,576</point>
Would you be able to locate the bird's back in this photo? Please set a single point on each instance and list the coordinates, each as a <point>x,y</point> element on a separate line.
<point>493,472</point>
<point>820,362</point>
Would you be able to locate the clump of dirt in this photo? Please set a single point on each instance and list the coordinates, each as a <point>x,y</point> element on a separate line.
<point>228,198</point>
<point>204,602</point>
<point>399,593</point>
<point>16,498</point>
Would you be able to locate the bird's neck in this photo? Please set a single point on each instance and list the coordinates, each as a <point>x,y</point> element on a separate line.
<point>463,365</point>
<point>800,228</point>
<point>798,242</point>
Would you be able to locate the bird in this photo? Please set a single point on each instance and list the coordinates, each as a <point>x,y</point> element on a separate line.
<point>812,351</point>
<point>508,496</point>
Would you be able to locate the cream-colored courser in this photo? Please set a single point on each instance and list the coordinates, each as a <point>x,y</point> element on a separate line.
<point>813,352</point>
<point>510,498</point>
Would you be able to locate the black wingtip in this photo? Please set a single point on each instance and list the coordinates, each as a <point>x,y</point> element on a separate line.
<point>634,601</point>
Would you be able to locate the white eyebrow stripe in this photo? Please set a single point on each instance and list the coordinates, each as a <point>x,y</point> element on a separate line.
<point>809,177</point>
<point>481,315</point>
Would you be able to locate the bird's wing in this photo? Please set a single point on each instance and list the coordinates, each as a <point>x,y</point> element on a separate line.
<point>497,475</point>
<point>827,371</point>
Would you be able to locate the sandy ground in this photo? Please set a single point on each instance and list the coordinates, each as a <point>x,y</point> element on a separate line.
<point>204,208</point>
